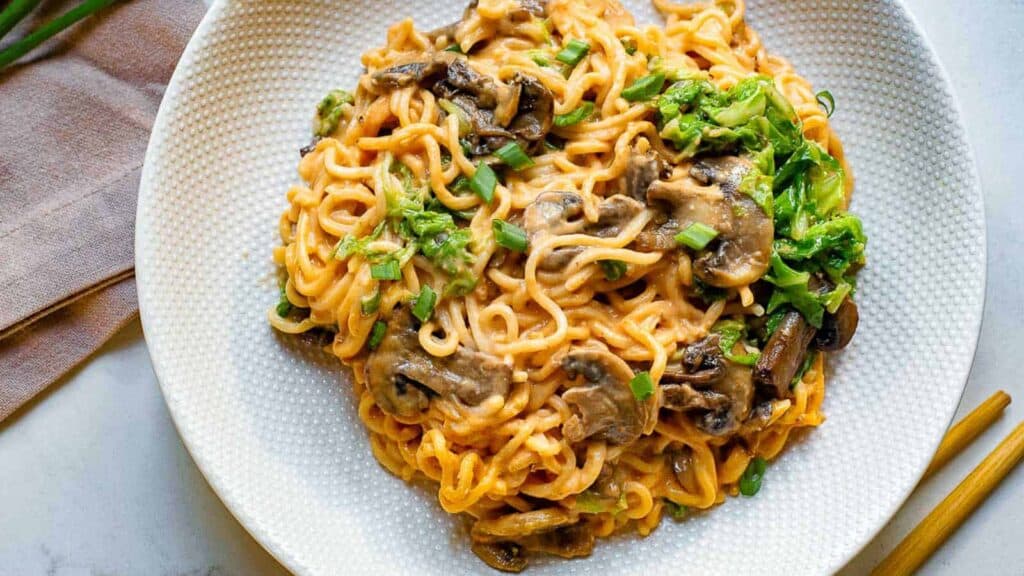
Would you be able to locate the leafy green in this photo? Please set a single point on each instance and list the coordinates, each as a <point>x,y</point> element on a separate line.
<point>677,511</point>
<point>590,502</point>
<point>329,111</point>
<point>730,333</point>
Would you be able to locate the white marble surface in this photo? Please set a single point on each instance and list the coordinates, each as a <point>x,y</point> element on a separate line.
<point>95,481</point>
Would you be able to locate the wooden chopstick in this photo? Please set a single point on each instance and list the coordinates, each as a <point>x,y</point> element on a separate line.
<point>965,431</point>
<point>924,539</point>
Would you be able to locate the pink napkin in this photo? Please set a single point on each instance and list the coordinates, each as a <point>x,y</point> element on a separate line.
<point>75,120</point>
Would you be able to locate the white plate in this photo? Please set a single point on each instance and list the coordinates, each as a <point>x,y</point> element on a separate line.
<point>273,426</point>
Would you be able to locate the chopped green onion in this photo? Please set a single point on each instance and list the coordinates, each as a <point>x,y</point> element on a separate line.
<point>424,306</point>
<point>376,334</point>
<point>484,182</point>
<point>826,101</point>
<point>750,482</point>
<point>284,306</point>
<point>552,146</point>
<point>514,156</point>
<point>386,270</point>
<point>613,269</point>
<point>678,511</point>
<point>573,52</point>
<point>370,305</point>
<point>467,148</point>
<point>630,45</point>
<point>465,127</point>
<point>644,88</point>
<point>16,10</point>
<point>539,58</point>
<point>579,114</point>
<point>696,235</point>
<point>21,47</point>
<point>509,235</point>
<point>642,386</point>
<point>454,48</point>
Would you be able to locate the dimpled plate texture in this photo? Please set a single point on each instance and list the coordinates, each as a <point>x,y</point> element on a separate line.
<point>270,419</point>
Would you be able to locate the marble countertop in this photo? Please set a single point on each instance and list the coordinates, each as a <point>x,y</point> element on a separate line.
<point>95,481</point>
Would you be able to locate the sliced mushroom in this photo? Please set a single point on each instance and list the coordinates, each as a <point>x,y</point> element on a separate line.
<point>559,213</point>
<point>717,387</point>
<point>603,404</point>
<point>740,254</point>
<point>783,354</point>
<point>403,377</point>
<point>504,556</point>
<point>837,329</point>
<point>567,542</point>
<point>536,112</point>
<point>518,524</point>
<point>642,170</point>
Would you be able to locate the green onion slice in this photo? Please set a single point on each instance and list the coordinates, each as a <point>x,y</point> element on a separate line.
<point>826,101</point>
<point>573,52</point>
<point>579,114</point>
<point>750,482</point>
<point>613,269</point>
<point>642,386</point>
<point>514,156</point>
<point>483,182</point>
<point>386,270</point>
<point>644,88</point>
<point>424,306</point>
<point>370,305</point>
<point>509,235</point>
<point>696,235</point>
<point>376,334</point>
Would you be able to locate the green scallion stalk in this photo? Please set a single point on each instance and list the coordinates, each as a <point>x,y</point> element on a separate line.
<point>642,386</point>
<point>483,182</point>
<point>38,36</point>
<point>644,88</point>
<point>376,334</point>
<point>386,270</point>
<point>696,235</point>
<point>579,114</point>
<point>509,235</point>
<point>424,306</point>
<point>14,13</point>
<point>573,52</point>
<point>513,155</point>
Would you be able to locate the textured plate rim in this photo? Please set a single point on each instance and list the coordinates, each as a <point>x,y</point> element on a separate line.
<point>237,508</point>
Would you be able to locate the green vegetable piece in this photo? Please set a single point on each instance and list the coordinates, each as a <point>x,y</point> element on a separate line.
<point>579,114</point>
<point>590,502</point>
<point>696,235</point>
<point>453,109</point>
<point>509,235</point>
<point>826,101</point>
<point>644,88</point>
<point>423,308</point>
<point>370,305</point>
<point>454,48</point>
<point>642,386</point>
<point>573,52</point>
<point>730,333</point>
<point>750,481</point>
<point>747,100</point>
<point>613,269</point>
<point>376,334</point>
<point>514,156</point>
<point>284,306</point>
<point>329,111</point>
<point>677,511</point>
<point>386,270</point>
<point>483,182</point>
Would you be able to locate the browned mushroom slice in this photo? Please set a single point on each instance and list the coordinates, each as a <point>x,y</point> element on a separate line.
<point>567,542</point>
<point>501,541</point>
<point>837,329</point>
<point>642,170</point>
<point>740,254</point>
<point>403,377</point>
<point>518,524</point>
<point>783,354</point>
<point>603,403</point>
<point>708,383</point>
<point>559,213</point>
<point>535,114</point>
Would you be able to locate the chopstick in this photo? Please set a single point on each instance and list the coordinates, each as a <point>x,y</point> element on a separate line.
<point>933,531</point>
<point>965,431</point>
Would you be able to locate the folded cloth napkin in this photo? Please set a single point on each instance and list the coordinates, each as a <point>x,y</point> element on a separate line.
<point>75,120</point>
